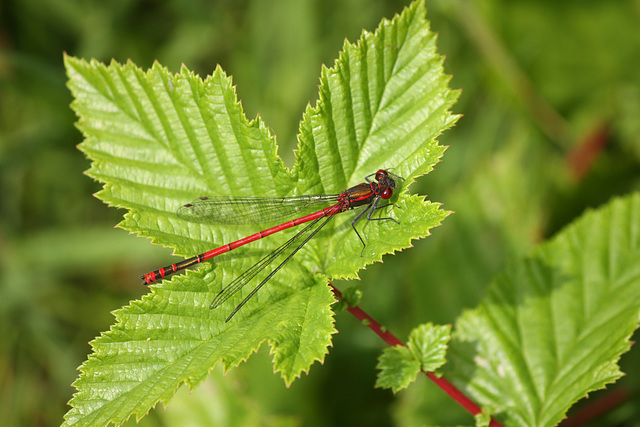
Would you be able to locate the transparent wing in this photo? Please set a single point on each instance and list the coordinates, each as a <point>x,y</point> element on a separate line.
<point>286,250</point>
<point>251,210</point>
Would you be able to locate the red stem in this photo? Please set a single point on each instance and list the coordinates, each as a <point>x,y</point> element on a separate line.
<point>392,340</point>
<point>583,156</point>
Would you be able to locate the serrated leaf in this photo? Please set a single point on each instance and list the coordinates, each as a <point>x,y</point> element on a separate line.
<point>554,325</point>
<point>158,140</point>
<point>425,351</point>
<point>398,368</point>
<point>428,344</point>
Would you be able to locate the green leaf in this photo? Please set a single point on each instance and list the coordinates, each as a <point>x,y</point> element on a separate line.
<point>158,140</point>
<point>428,344</point>
<point>350,298</point>
<point>483,419</point>
<point>352,295</point>
<point>554,325</point>
<point>425,351</point>
<point>398,368</point>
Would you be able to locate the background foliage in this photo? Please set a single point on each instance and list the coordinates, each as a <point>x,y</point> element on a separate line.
<point>552,116</point>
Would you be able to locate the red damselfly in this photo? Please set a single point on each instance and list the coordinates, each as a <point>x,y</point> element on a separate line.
<point>230,210</point>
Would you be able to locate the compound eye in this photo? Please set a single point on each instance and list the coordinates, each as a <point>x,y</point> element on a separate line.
<point>387,193</point>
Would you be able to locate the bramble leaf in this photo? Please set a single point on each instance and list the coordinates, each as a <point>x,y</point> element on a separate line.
<point>425,351</point>
<point>554,325</point>
<point>398,368</point>
<point>158,140</point>
<point>428,344</point>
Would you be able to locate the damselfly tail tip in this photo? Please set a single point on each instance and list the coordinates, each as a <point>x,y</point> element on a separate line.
<point>145,280</point>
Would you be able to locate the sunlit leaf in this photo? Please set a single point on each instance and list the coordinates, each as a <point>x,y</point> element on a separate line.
<point>425,351</point>
<point>158,140</point>
<point>554,325</point>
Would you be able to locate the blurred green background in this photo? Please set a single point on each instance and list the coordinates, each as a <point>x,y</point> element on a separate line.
<point>551,126</point>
